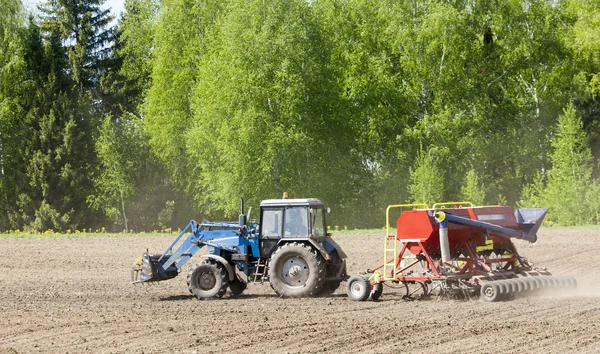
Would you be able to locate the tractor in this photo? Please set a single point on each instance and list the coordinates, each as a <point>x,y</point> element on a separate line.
<point>290,248</point>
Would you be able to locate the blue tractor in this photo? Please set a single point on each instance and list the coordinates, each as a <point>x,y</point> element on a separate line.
<point>290,249</point>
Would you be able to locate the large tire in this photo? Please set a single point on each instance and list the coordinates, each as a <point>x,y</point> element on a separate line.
<point>296,270</point>
<point>207,280</point>
<point>236,287</point>
<point>358,287</point>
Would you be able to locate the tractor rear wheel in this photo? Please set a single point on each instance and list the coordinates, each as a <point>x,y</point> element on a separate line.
<point>207,279</point>
<point>296,270</point>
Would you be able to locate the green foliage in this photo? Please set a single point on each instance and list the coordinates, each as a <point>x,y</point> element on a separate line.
<point>165,216</point>
<point>261,122</point>
<point>179,43</point>
<point>427,180</point>
<point>129,184</point>
<point>12,33</point>
<point>570,192</point>
<point>569,181</point>
<point>130,79</point>
<point>532,195</point>
<point>583,39</point>
<point>361,103</point>
<point>84,28</point>
<point>114,182</point>
<point>51,117</point>
<point>472,191</point>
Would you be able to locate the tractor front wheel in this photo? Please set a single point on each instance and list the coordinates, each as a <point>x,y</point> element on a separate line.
<point>207,280</point>
<point>296,270</point>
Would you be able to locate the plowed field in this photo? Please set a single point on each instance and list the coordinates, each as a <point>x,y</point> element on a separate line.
<point>73,295</point>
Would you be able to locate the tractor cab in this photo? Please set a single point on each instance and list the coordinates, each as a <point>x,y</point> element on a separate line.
<point>290,219</point>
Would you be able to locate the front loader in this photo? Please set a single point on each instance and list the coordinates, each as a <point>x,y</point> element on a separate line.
<point>290,248</point>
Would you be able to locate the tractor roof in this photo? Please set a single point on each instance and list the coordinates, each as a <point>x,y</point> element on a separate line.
<point>313,202</point>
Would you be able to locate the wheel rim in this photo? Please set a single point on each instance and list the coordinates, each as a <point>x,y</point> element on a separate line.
<point>206,281</point>
<point>295,271</point>
<point>357,289</point>
<point>489,291</point>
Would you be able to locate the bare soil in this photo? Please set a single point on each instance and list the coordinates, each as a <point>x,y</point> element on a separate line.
<point>74,295</point>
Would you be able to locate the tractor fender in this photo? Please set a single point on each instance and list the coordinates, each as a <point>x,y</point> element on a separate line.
<point>331,246</point>
<point>318,246</point>
<point>223,261</point>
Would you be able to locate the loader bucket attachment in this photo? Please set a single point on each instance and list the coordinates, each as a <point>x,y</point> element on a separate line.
<point>149,268</point>
<point>530,219</point>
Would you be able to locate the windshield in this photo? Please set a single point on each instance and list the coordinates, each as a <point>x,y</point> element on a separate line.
<point>295,224</point>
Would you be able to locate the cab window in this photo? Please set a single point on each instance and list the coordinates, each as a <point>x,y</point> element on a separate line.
<point>317,222</point>
<point>271,222</point>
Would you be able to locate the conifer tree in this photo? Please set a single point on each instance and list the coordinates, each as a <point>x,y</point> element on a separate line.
<point>569,181</point>
<point>472,190</point>
<point>63,58</point>
<point>426,179</point>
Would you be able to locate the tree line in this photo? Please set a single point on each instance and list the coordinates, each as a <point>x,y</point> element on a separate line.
<point>177,107</point>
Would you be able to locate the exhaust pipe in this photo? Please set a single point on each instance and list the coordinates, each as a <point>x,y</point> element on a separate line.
<point>242,218</point>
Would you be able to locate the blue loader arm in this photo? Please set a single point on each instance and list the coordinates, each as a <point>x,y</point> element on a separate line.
<point>167,265</point>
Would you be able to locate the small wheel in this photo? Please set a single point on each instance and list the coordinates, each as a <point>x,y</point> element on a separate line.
<point>296,270</point>
<point>207,279</point>
<point>236,287</point>
<point>377,291</point>
<point>491,291</point>
<point>358,288</point>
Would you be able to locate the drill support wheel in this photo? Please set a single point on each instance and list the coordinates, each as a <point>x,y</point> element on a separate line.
<point>358,287</point>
